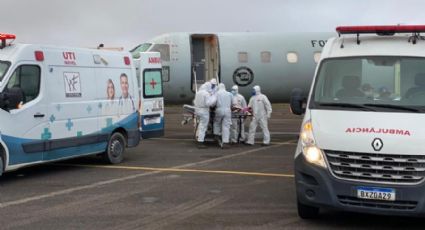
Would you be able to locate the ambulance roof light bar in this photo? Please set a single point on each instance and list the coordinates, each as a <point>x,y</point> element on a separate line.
<point>380,30</point>
<point>415,30</point>
<point>4,37</point>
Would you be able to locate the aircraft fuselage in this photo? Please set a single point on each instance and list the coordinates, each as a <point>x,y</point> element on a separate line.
<point>276,62</point>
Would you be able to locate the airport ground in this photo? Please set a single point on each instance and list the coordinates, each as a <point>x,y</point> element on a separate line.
<point>168,183</point>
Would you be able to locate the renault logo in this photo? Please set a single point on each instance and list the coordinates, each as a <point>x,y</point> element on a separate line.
<point>377,144</point>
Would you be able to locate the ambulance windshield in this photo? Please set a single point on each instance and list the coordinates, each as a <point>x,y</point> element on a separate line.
<point>373,83</point>
<point>4,66</point>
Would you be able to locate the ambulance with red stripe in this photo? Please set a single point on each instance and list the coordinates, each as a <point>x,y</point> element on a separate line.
<point>61,102</point>
<point>361,146</point>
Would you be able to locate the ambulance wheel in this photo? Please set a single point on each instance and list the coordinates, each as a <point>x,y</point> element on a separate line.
<point>307,211</point>
<point>116,148</point>
<point>1,165</point>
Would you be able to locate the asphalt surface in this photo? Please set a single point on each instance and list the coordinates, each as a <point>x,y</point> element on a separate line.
<point>168,183</point>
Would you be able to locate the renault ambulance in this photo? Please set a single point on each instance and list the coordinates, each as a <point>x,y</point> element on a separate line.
<point>59,102</point>
<point>362,141</point>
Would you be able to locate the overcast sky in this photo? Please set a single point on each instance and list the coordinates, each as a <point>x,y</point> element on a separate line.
<point>126,23</point>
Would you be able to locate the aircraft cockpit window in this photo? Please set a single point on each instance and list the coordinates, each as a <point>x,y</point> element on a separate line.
<point>135,52</point>
<point>164,49</point>
<point>317,56</point>
<point>266,57</point>
<point>292,57</point>
<point>243,57</point>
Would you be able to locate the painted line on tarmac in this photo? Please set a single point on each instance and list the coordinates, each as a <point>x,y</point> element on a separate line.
<point>257,135</point>
<point>70,190</point>
<point>186,167</point>
<point>292,142</point>
<point>181,170</point>
<point>121,179</point>
<point>232,155</point>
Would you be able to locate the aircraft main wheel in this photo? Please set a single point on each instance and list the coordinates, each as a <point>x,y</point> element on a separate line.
<point>116,147</point>
<point>307,211</point>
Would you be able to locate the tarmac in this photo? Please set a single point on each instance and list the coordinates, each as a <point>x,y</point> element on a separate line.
<point>168,183</point>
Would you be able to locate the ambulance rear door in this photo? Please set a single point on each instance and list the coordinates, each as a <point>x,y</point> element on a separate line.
<point>151,95</point>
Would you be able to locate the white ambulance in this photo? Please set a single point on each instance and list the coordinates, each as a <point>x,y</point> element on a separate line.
<point>59,102</point>
<point>361,146</point>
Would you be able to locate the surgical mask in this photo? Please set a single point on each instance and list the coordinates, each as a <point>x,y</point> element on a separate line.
<point>234,92</point>
<point>253,93</point>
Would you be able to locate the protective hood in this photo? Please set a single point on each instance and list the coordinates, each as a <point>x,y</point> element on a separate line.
<point>221,86</point>
<point>257,89</point>
<point>206,86</point>
<point>213,81</point>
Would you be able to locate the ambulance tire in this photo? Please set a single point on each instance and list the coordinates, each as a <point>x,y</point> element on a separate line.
<point>116,147</point>
<point>1,165</point>
<point>307,211</point>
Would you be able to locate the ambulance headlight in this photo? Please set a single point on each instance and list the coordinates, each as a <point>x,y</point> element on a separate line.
<point>307,138</point>
<point>314,155</point>
<point>311,152</point>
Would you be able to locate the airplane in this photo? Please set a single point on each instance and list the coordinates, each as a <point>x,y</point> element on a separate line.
<point>276,62</point>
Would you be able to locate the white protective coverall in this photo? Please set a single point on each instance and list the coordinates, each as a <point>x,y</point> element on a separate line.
<point>203,101</point>
<point>261,112</point>
<point>238,101</point>
<point>223,113</point>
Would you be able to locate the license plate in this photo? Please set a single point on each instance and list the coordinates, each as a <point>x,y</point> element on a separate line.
<point>372,193</point>
<point>150,121</point>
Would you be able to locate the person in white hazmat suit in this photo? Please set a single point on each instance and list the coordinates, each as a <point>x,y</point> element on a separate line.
<point>238,102</point>
<point>223,114</point>
<point>261,112</point>
<point>203,101</point>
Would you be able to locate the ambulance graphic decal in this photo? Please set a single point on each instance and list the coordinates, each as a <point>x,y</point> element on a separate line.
<point>72,84</point>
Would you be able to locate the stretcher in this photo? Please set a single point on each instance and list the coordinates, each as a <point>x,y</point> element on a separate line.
<point>189,115</point>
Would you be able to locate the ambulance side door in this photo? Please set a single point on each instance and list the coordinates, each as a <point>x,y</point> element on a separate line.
<point>28,125</point>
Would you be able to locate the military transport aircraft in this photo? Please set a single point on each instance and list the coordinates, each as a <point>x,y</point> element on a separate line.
<point>276,62</point>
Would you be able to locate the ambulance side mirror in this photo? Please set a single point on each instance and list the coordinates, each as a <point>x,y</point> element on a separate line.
<point>298,101</point>
<point>11,98</point>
